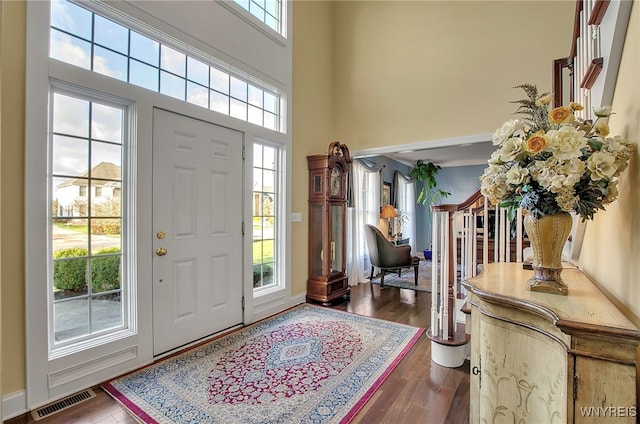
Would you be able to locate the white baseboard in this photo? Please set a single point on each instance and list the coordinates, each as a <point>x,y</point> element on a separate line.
<point>14,405</point>
<point>296,300</point>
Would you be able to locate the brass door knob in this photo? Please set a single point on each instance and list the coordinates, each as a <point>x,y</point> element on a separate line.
<point>161,251</point>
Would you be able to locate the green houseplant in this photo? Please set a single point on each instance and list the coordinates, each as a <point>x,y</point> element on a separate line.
<point>425,173</point>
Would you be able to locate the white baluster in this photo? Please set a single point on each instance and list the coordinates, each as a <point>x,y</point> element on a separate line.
<point>485,233</point>
<point>444,286</point>
<point>435,325</point>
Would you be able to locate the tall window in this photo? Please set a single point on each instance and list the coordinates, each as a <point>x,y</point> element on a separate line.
<point>365,210</point>
<point>406,207</point>
<point>266,208</point>
<point>88,40</point>
<point>87,295</point>
<point>267,11</point>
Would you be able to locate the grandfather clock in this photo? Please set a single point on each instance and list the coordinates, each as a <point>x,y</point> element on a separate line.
<point>328,176</point>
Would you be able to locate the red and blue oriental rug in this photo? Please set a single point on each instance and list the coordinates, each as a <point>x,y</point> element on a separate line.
<point>306,365</point>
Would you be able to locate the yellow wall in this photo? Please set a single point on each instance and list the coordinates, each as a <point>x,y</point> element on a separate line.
<point>12,38</point>
<point>399,72</point>
<point>312,115</point>
<point>612,240</point>
<point>425,70</point>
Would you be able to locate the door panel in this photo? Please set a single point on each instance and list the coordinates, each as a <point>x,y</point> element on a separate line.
<point>197,204</point>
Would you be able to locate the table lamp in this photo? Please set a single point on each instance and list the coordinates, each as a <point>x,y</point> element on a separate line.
<point>388,212</point>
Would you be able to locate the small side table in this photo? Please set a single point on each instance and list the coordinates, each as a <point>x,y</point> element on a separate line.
<point>399,242</point>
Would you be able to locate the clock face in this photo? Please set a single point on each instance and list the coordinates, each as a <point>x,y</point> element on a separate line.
<point>336,182</point>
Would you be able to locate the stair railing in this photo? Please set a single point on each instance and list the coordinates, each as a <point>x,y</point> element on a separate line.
<point>456,234</point>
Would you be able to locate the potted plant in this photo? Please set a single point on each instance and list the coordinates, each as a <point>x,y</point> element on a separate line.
<point>426,172</point>
<point>401,219</point>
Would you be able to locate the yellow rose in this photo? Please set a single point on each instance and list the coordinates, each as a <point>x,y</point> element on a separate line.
<point>602,128</point>
<point>576,106</point>
<point>536,142</point>
<point>544,100</point>
<point>561,115</point>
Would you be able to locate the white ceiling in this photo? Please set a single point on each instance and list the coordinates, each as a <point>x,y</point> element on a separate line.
<point>464,151</point>
<point>459,155</point>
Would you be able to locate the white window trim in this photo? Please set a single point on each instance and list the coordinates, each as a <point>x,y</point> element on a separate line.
<point>129,196</point>
<point>279,279</point>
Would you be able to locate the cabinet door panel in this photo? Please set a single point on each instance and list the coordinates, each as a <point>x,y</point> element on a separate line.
<point>604,394</point>
<point>524,375</point>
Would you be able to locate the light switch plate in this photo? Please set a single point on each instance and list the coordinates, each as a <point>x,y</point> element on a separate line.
<point>296,217</point>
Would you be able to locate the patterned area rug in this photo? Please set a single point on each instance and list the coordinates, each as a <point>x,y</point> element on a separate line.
<point>406,280</point>
<point>306,365</point>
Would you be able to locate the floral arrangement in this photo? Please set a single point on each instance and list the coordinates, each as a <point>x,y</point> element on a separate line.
<point>551,162</point>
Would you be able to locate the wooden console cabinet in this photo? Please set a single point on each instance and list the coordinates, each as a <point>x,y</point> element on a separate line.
<point>543,358</point>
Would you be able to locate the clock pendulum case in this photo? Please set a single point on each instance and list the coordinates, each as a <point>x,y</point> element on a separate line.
<point>328,177</point>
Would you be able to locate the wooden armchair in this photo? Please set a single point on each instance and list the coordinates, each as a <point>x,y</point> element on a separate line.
<point>387,256</point>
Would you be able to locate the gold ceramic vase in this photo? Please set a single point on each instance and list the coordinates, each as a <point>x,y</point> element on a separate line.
<point>548,236</point>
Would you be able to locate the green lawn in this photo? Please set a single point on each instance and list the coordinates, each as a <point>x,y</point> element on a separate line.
<point>262,251</point>
<point>84,229</point>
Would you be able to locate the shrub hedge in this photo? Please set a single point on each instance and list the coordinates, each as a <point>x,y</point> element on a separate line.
<point>70,269</point>
<point>105,270</point>
<point>70,274</point>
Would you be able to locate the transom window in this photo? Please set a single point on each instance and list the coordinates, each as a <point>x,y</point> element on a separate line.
<point>265,214</point>
<point>90,41</point>
<point>267,11</point>
<point>87,295</point>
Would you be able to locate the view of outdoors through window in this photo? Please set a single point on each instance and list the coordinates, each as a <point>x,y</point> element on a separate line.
<point>267,11</point>
<point>86,217</point>
<point>265,167</point>
<point>88,40</point>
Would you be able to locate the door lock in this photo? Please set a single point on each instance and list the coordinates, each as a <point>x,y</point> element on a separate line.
<point>161,251</point>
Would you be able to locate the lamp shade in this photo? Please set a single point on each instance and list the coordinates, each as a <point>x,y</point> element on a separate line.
<point>388,211</point>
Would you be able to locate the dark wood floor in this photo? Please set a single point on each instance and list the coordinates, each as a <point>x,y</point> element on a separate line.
<point>417,391</point>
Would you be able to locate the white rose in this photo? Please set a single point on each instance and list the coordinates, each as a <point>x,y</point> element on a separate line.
<point>602,112</point>
<point>556,183</point>
<point>516,175</point>
<point>613,145</point>
<point>571,170</point>
<point>511,148</point>
<point>503,133</point>
<point>602,165</point>
<point>495,158</point>
<point>567,142</point>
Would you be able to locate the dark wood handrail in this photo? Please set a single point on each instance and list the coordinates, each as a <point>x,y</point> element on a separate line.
<point>597,14</point>
<point>449,207</point>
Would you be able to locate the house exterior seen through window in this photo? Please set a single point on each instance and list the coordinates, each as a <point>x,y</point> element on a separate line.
<point>265,214</point>
<point>87,294</point>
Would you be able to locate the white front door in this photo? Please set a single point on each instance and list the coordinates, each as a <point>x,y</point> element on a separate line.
<point>197,224</point>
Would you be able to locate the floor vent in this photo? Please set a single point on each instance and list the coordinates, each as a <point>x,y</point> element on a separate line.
<point>62,404</point>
